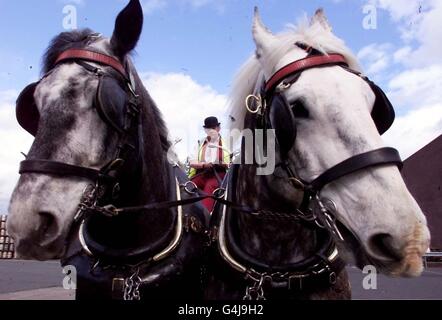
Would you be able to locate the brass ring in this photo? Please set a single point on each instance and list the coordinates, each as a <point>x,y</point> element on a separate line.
<point>257,99</point>
<point>219,193</point>
<point>193,185</point>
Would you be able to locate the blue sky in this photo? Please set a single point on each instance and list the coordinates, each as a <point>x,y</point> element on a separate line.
<point>208,40</point>
<point>190,51</point>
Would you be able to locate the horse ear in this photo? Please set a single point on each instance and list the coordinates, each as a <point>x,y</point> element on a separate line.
<point>261,34</point>
<point>321,19</point>
<point>128,27</point>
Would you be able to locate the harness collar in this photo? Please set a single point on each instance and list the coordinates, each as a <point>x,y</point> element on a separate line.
<point>324,265</point>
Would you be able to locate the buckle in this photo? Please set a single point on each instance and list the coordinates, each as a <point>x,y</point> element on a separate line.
<point>196,225</point>
<point>192,223</point>
<point>332,278</point>
<point>118,288</point>
<point>296,282</point>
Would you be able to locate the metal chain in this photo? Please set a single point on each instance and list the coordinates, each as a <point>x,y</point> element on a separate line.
<point>275,216</point>
<point>88,199</point>
<point>192,189</point>
<point>132,288</point>
<point>327,219</point>
<point>256,292</point>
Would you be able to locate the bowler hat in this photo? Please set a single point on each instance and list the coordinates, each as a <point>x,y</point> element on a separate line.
<point>211,123</point>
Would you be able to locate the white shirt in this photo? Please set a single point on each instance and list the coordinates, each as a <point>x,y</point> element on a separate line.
<point>212,152</point>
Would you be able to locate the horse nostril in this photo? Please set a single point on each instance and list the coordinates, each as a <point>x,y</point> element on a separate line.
<point>382,244</point>
<point>48,225</point>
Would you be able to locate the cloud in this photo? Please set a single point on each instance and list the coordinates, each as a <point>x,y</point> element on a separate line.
<point>185,104</point>
<point>13,141</point>
<point>402,55</point>
<point>376,57</point>
<point>150,6</point>
<point>418,87</point>
<point>76,2</point>
<point>420,25</point>
<point>429,34</point>
<point>398,9</point>
<point>412,69</point>
<point>415,130</point>
<point>202,3</point>
<point>198,3</point>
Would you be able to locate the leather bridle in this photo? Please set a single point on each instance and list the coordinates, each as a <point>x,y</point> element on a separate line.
<point>53,167</point>
<point>108,176</point>
<point>284,79</point>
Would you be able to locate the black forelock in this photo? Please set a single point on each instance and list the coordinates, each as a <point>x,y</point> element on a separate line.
<point>66,40</point>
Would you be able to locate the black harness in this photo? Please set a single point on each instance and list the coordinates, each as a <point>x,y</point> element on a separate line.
<point>324,266</point>
<point>316,271</point>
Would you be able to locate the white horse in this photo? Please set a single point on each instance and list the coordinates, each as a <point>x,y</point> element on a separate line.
<point>333,119</point>
<point>331,164</point>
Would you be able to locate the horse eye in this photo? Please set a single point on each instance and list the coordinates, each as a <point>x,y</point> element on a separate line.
<point>299,110</point>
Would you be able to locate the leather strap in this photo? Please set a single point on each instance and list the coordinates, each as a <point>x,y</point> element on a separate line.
<point>93,57</point>
<point>362,161</point>
<point>301,65</point>
<point>61,169</point>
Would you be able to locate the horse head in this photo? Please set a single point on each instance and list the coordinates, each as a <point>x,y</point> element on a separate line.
<point>324,112</point>
<point>77,113</point>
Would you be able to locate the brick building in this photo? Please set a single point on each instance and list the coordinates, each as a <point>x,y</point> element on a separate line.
<point>423,174</point>
<point>6,242</point>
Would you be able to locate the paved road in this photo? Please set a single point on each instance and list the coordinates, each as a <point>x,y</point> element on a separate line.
<point>16,275</point>
<point>43,281</point>
<point>428,286</point>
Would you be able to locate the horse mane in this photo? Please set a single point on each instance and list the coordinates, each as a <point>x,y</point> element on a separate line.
<point>155,137</point>
<point>151,110</point>
<point>250,76</point>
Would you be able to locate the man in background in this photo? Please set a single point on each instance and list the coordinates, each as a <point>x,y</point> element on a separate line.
<point>209,167</point>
